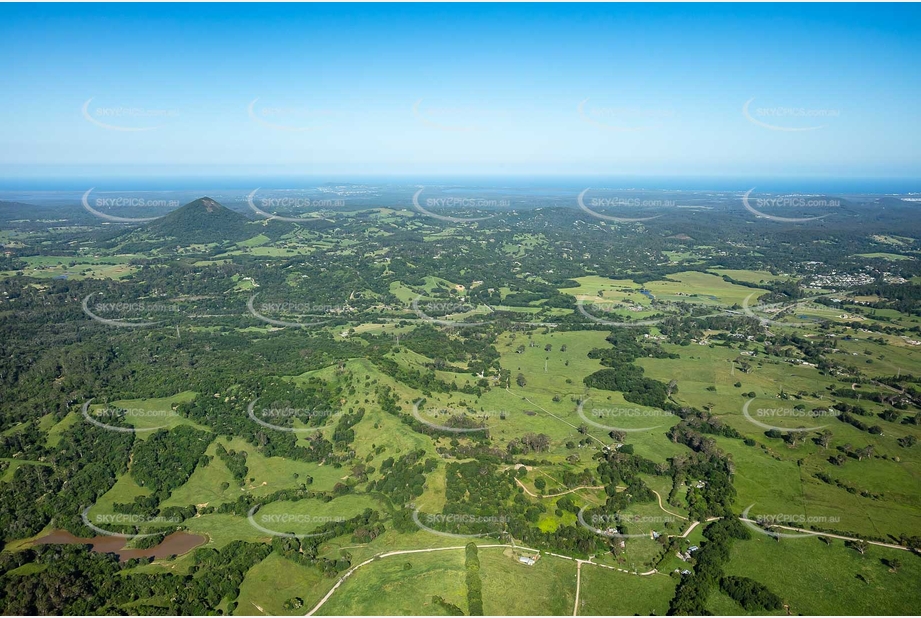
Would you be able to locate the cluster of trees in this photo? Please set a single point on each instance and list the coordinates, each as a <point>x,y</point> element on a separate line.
<point>402,481</point>
<point>750,594</point>
<point>234,460</point>
<point>475,348</point>
<point>622,375</point>
<point>474,584</point>
<point>83,466</point>
<point>226,416</point>
<point>363,528</point>
<point>826,478</point>
<point>73,581</point>
<point>714,498</point>
<point>166,459</point>
<point>693,591</point>
<point>529,443</point>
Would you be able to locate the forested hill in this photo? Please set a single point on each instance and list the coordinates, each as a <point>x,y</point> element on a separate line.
<point>201,221</point>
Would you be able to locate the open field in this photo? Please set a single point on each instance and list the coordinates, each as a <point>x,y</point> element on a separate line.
<point>816,578</point>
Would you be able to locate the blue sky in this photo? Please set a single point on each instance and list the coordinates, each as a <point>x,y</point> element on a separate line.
<point>461,89</point>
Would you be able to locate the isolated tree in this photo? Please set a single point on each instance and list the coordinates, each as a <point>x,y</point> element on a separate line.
<point>860,546</point>
<point>672,387</point>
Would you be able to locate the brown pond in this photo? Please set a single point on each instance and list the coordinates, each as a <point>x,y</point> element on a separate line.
<point>175,544</point>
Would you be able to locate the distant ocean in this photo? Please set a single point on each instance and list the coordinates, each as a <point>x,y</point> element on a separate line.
<point>518,185</point>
